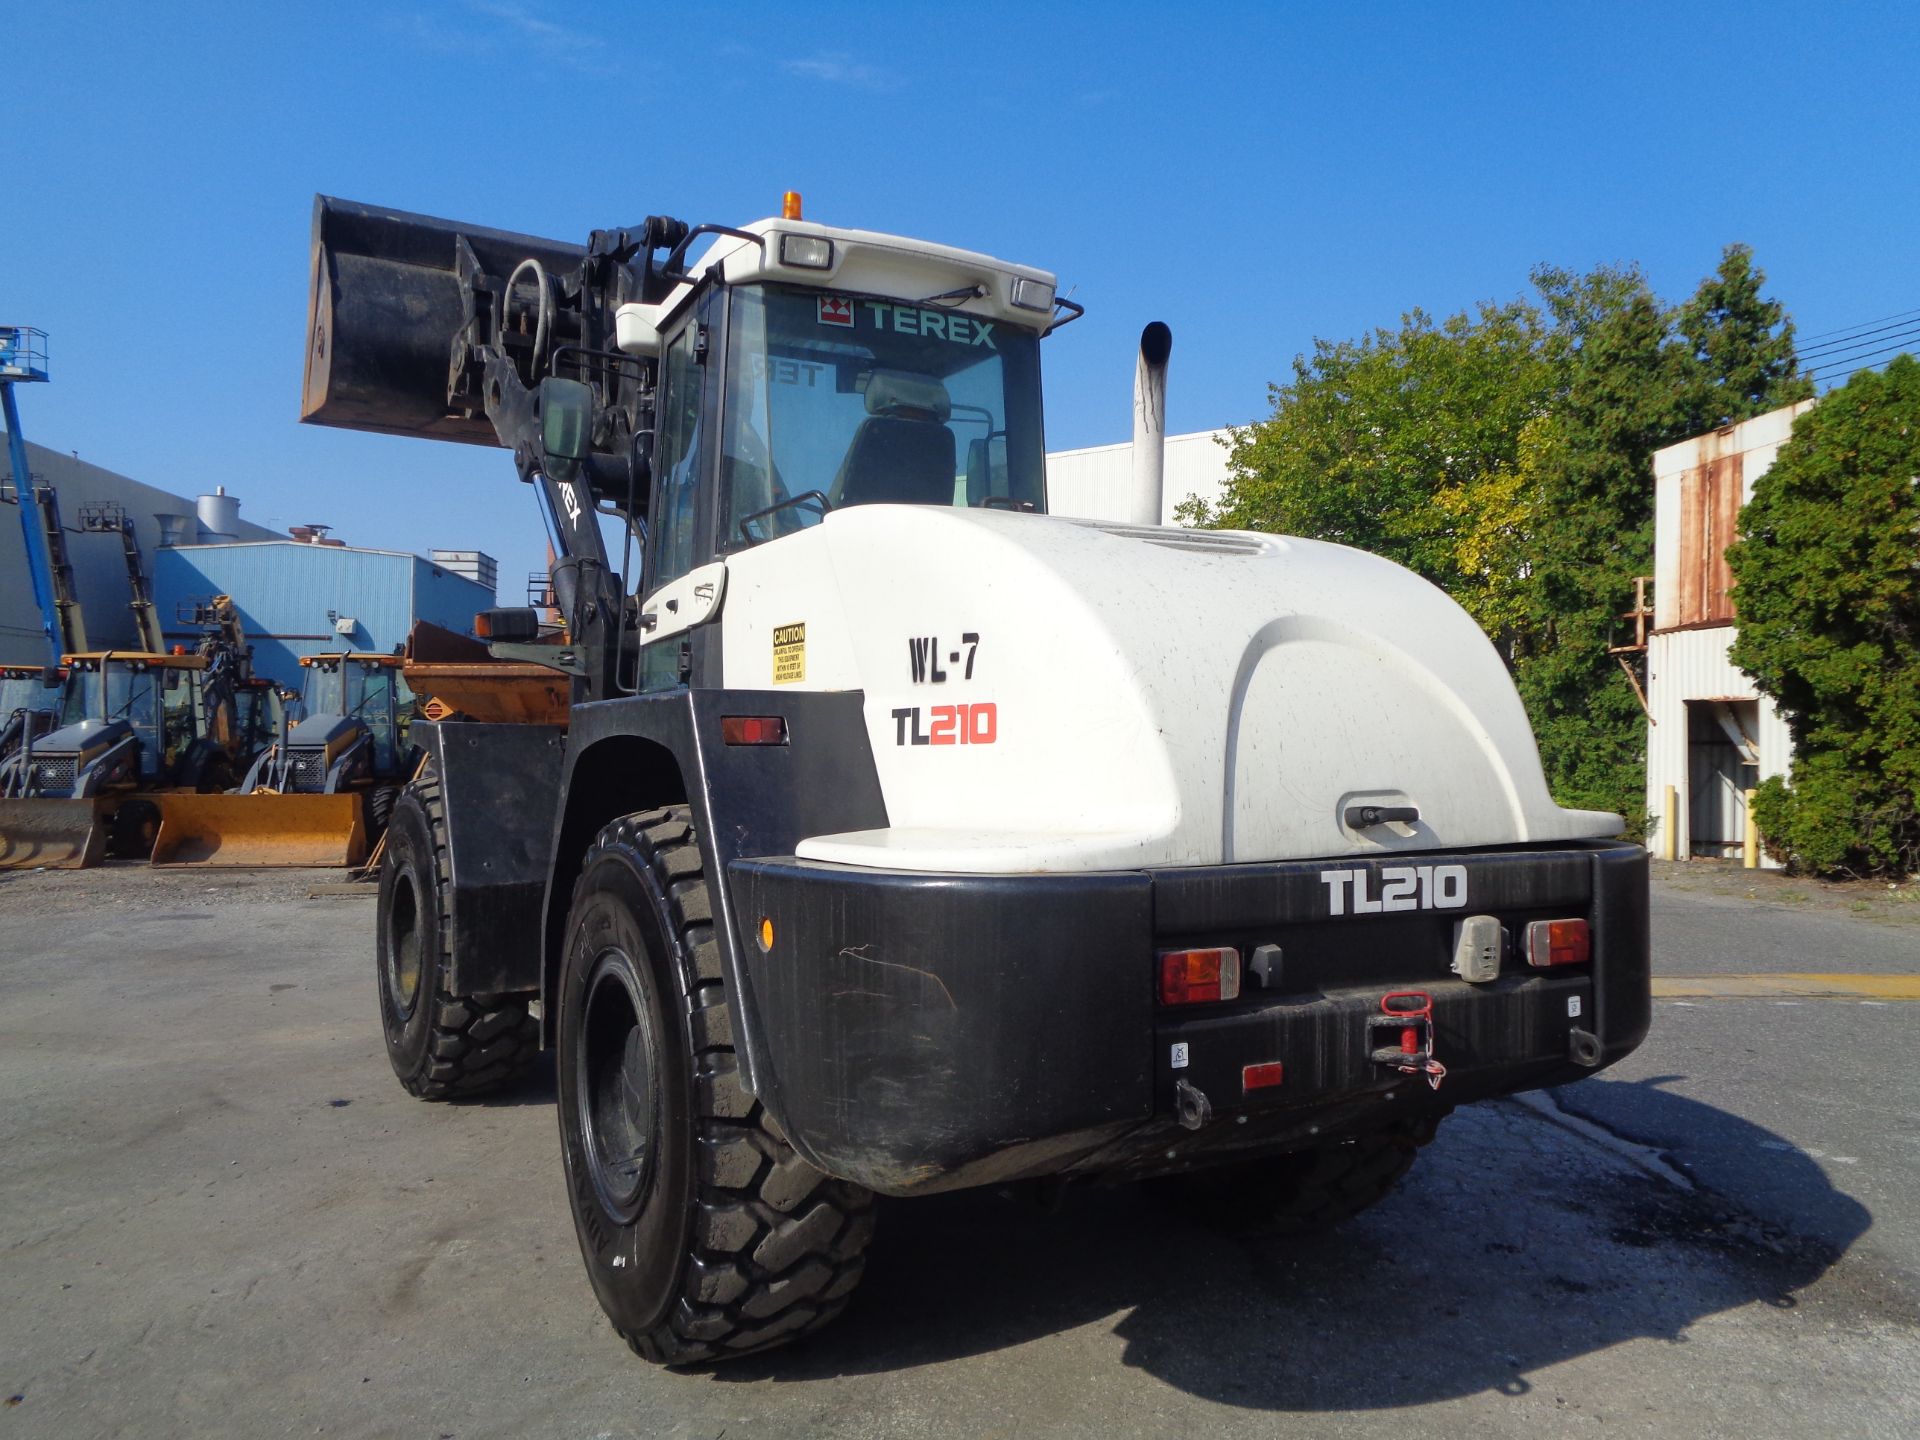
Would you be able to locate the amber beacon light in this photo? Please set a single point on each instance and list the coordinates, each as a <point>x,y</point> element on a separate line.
<point>790,205</point>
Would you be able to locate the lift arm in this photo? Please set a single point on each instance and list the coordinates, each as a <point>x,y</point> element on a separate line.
<point>449,331</point>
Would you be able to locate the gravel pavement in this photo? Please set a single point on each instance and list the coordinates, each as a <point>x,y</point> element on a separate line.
<point>221,1216</point>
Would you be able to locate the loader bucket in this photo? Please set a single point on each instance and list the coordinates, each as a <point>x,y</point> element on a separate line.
<point>61,834</point>
<point>384,306</point>
<point>260,831</point>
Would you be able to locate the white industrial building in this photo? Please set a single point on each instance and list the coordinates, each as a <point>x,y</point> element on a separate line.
<point>1712,736</point>
<point>1096,483</point>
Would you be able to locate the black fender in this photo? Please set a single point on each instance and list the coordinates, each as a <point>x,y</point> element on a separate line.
<point>498,783</point>
<point>748,801</point>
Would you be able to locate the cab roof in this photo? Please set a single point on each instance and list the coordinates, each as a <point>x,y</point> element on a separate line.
<point>137,657</point>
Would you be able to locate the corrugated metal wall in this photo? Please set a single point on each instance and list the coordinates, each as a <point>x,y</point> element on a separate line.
<point>99,561</point>
<point>1096,483</point>
<point>1691,665</point>
<point>290,597</point>
<point>1685,665</point>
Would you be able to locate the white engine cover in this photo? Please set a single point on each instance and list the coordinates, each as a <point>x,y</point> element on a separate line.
<point>1046,694</point>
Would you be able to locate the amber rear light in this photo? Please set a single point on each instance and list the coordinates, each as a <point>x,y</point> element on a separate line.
<point>753,729</point>
<point>1558,942</point>
<point>1193,977</point>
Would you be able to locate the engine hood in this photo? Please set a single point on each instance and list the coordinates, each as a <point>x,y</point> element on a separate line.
<point>320,730</point>
<point>84,737</point>
<point>1044,693</point>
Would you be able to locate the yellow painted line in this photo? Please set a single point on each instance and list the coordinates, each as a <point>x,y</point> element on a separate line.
<point>1797,987</point>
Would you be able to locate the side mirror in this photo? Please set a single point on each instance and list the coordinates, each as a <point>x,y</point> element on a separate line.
<point>566,425</point>
<point>50,677</point>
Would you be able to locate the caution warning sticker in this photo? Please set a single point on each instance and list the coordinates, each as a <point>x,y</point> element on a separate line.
<point>789,654</point>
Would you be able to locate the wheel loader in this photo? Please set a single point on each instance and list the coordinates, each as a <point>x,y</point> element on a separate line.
<point>904,837</point>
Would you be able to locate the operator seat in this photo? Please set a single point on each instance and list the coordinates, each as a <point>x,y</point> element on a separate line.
<point>903,452</point>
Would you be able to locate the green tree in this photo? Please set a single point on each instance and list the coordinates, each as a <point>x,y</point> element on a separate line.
<point>1376,442</point>
<point>1504,453</point>
<point>1827,581</point>
<point>1742,346</point>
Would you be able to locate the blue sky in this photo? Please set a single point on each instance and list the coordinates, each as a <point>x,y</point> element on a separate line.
<point>1255,175</point>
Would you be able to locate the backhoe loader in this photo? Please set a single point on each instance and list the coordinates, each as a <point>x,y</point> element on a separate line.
<point>29,700</point>
<point>133,730</point>
<point>321,790</point>
<point>904,837</point>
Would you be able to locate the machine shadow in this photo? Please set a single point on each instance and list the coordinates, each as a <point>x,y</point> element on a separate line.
<point>1512,1246</point>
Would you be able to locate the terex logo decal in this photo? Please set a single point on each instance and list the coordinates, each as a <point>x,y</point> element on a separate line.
<point>1402,887</point>
<point>836,310</point>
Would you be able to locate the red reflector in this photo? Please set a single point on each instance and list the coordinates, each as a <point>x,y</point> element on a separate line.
<point>1191,977</point>
<point>753,729</point>
<point>1261,1077</point>
<point>1558,942</point>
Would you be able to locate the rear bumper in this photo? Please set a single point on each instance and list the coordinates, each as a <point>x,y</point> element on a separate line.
<point>931,1032</point>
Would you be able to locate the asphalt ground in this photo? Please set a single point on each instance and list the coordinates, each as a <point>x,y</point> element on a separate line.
<point>220,1216</point>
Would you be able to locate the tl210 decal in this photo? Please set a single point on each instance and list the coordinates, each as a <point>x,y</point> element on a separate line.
<point>1402,887</point>
<point>947,724</point>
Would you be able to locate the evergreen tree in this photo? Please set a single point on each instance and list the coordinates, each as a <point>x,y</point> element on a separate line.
<point>1827,582</point>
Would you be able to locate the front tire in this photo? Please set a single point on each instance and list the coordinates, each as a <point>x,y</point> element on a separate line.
<point>705,1235</point>
<point>442,1046</point>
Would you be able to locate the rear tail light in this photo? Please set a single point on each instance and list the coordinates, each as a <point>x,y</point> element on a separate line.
<point>1558,942</point>
<point>1192,977</point>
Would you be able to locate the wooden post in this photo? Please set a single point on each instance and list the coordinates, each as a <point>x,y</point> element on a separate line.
<point>1670,826</point>
<point>1751,856</point>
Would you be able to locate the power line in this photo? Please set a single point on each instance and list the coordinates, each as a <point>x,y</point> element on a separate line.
<point>1862,324</point>
<point>1840,356</point>
<point>1871,361</point>
<point>1861,334</point>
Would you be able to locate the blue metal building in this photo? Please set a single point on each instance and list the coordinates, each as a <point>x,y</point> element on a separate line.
<point>304,599</point>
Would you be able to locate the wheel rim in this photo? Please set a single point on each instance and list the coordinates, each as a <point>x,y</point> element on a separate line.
<point>403,947</point>
<point>616,1088</point>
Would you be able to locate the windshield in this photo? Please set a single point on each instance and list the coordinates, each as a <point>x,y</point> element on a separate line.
<point>121,694</point>
<point>25,692</point>
<point>837,400</point>
<point>369,693</point>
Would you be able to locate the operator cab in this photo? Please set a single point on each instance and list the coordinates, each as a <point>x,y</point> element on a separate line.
<point>361,688</point>
<point>804,369</point>
<point>158,696</point>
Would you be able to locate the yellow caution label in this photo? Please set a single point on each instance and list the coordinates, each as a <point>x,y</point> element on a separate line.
<point>789,654</point>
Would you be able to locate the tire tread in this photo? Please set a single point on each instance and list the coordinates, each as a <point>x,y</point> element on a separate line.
<point>777,1246</point>
<point>478,1043</point>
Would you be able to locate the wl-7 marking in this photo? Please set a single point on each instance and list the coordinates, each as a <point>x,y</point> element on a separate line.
<point>1402,887</point>
<point>925,651</point>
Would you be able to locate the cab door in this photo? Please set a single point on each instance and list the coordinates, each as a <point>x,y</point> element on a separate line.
<point>680,515</point>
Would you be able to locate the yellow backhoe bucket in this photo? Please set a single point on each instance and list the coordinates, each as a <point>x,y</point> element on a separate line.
<point>61,834</point>
<point>259,831</point>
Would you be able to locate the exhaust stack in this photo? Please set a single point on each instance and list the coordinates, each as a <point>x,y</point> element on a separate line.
<point>1150,423</point>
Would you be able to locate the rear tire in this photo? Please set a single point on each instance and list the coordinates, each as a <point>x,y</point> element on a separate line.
<point>380,802</point>
<point>1302,1193</point>
<point>131,832</point>
<point>705,1235</point>
<point>441,1045</point>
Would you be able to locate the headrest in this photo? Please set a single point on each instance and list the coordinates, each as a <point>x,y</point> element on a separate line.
<point>892,392</point>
